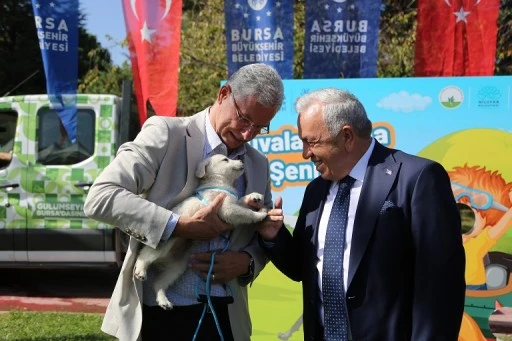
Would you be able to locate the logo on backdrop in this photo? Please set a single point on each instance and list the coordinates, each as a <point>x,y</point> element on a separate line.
<point>489,97</point>
<point>451,97</point>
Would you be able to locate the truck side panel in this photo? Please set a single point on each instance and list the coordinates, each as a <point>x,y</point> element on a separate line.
<point>54,176</point>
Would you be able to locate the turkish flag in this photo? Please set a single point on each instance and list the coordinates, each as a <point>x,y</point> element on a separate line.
<point>154,28</point>
<point>456,37</point>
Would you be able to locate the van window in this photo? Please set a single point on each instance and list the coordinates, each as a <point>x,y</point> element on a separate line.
<point>8,121</point>
<point>54,146</point>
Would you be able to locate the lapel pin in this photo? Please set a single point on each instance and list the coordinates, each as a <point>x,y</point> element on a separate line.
<point>388,171</point>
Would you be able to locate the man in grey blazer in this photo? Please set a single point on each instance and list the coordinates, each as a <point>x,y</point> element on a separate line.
<point>398,270</point>
<point>154,173</point>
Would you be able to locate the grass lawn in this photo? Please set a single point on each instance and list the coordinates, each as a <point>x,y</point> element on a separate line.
<point>275,304</point>
<point>50,326</point>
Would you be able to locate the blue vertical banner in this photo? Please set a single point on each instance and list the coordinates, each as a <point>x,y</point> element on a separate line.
<point>57,31</point>
<point>260,31</point>
<point>341,38</point>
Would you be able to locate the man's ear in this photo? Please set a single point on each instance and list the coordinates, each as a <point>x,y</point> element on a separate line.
<point>348,137</point>
<point>201,169</point>
<point>223,93</point>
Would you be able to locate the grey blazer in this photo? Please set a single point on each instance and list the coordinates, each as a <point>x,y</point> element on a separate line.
<point>134,193</point>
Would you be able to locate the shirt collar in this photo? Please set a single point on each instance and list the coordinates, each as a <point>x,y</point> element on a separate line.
<point>359,170</point>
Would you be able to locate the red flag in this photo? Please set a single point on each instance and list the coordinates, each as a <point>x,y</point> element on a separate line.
<point>154,28</point>
<point>456,37</point>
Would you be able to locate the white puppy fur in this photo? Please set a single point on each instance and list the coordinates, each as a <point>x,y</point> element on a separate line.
<point>216,175</point>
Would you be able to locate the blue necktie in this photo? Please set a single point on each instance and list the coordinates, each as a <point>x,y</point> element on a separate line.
<point>333,291</point>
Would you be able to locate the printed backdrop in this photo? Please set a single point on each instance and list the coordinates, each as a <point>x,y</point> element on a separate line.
<point>462,122</point>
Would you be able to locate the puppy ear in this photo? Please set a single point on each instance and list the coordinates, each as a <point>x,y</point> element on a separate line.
<point>201,168</point>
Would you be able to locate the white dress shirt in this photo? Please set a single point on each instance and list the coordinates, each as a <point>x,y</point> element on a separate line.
<point>358,173</point>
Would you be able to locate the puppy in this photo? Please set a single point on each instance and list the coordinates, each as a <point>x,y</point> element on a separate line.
<point>216,175</point>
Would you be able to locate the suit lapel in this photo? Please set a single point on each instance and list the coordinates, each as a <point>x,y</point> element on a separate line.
<point>195,144</point>
<point>380,175</point>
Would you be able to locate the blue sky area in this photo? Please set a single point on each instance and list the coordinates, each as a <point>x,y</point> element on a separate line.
<point>105,17</point>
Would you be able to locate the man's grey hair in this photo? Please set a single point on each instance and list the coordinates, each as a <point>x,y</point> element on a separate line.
<point>260,81</point>
<point>339,108</point>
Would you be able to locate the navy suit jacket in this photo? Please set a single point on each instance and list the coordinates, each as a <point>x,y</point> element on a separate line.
<point>406,272</point>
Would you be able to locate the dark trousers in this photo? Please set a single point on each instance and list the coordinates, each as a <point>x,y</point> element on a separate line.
<point>180,323</point>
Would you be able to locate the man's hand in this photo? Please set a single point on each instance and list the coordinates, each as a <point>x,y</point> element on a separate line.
<point>228,265</point>
<point>205,224</point>
<point>269,227</point>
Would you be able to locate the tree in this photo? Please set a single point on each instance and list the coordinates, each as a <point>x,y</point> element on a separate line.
<point>396,39</point>
<point>504,43</point>
<point>203,52</point>
<point>19,49</point>
<point>203,55</point>
<point>20,52</point>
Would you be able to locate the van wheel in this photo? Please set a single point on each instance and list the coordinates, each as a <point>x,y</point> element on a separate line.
<point>121,241</point>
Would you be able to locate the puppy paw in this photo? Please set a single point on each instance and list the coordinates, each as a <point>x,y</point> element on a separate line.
<point>256,198</point>
<point>140,272</point>
<point>164,303</point>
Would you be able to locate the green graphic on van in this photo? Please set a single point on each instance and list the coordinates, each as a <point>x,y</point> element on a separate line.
<point>59,210</point>
<point>45,177</point>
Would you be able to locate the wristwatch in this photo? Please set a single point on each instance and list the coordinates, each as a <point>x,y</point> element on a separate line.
<point>250,269</point>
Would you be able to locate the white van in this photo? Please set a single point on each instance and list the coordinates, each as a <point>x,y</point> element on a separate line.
<point>44,180</point>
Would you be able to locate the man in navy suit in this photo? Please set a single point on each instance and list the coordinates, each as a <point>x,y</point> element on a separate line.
<point>402,255</point>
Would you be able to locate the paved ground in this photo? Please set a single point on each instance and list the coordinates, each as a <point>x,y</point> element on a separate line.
<point>79,290</point>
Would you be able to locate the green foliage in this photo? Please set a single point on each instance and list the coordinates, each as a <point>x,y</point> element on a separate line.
<point>21,55</point>
<point>396,39</point>
<point>299,25</point>
<point>19,48</point>
<point>51,326</point>
<point>203,50</point>
<point>202,56</point>
<point>504,42</point>
<point>104,78</point>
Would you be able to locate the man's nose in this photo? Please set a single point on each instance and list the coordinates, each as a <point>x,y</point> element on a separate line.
<point>248,133</point>
<point>306,152</point>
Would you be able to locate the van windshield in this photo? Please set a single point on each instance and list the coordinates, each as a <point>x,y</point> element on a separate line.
<point>8,121</point>
<point>54,146</point>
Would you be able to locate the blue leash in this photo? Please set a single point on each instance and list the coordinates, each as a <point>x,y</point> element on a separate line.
<point>209,303</point>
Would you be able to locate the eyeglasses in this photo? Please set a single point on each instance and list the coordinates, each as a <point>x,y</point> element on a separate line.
<point>317,143</point>
<point>478,199</point>
<point>246,122</point>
